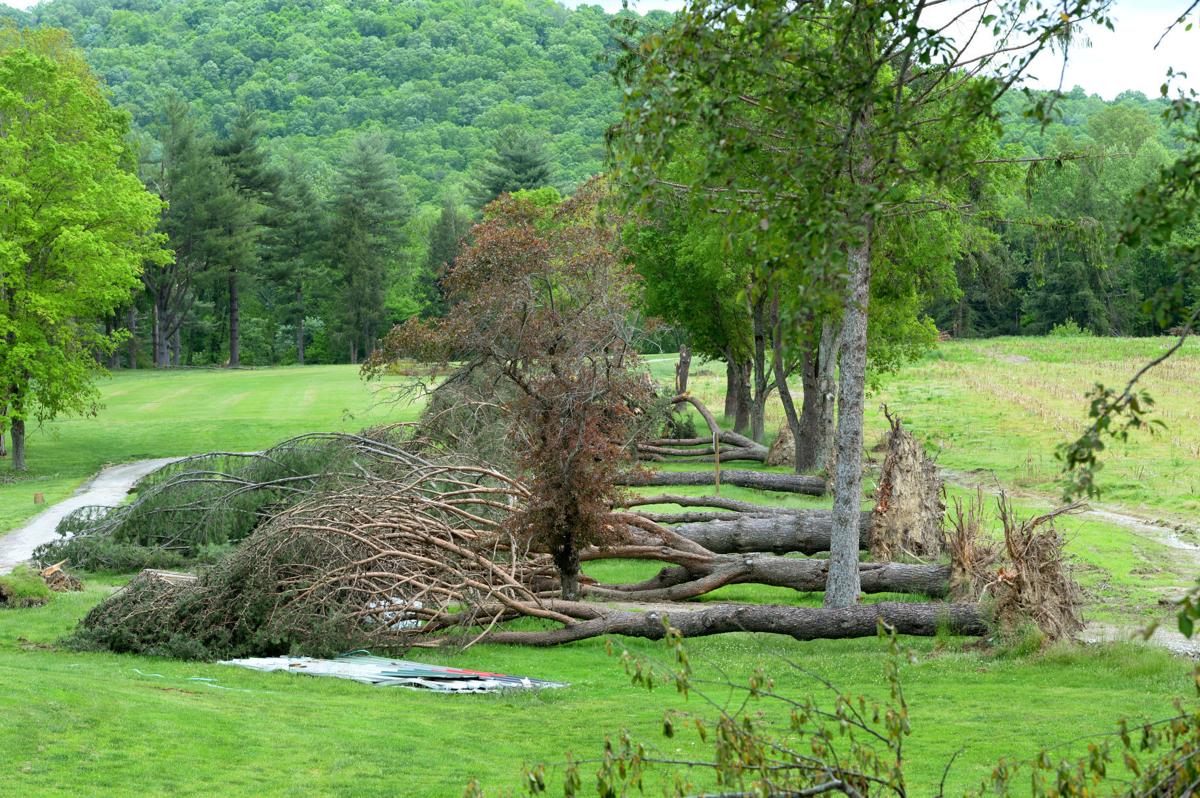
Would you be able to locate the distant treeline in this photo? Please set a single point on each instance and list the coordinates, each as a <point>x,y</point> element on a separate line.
<point>322,160</point>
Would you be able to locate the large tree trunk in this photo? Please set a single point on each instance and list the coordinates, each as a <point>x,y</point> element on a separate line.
<point>300,324</point>
<point>758,402</point>
<point>176,348</point>
<point>683,368</point>
<point>157,345</point>
<point>18,444</point>
<point>353,351</point>
<point>843,587</point>
<point>817,422</point>
<point>732,375</point>
<point>741,419</point>
<point>805,531</point>
<point>131,323</point>
<point>801,623</point>
<point>758,480</point>
<point>680,583</point>
<point>235,354</point>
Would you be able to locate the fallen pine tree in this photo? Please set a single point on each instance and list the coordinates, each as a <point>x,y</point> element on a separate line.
<point>727,444</point>
<point>758,480</point>
<point>429,561</point>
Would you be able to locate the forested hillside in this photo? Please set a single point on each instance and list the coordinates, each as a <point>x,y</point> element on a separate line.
<point>440,77</point>
<point>279,113</point>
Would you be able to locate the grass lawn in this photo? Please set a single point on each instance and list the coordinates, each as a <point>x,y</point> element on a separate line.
<point>119,725</point>
<point>149,414</point>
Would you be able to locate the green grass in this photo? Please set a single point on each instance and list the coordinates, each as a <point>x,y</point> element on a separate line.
<point>23,587</point>
<point>117,725</point>
<point>110,725</point>
<point>154,414</point>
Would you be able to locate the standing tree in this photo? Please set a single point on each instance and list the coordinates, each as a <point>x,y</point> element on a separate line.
<point>543,296</point>
<point>207,221</point>
<point>365,239</point>
<point>258,183</point>
<point>519,162</point>
<point>823,120</point>
<point>75,226</point>
<point>444,241</point>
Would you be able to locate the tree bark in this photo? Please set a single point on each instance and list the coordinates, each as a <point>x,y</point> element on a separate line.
<point>741,419</point>
<point>731,388</point>
<point>680,583</point>
<point>683,368</point>
<point>18,444</point>
<point>761,376</point>
<point>131,323</point>
<point>843,587</point>
<point>758,480</point>
<point>235,354</point>
<point>801,623</point>
<point>300,324</point>
<point>805,531</point>
<point>817,422</point>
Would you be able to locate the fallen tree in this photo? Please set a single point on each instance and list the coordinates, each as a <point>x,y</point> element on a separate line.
<point>803,531</point>
<point>728,444</point>
<point>801,623</point>
<point>757,480</point>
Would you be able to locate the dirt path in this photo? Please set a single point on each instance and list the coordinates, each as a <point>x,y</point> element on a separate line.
<point>108,488</point>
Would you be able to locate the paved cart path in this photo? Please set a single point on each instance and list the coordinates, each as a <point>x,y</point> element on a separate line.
<point>108,488</point>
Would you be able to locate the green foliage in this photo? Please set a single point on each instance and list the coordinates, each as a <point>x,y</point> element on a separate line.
<point>24,587</point>
<point>520,162</point>
<point>76,226</point>
<point>442,78</point>
<point>1069,329</point>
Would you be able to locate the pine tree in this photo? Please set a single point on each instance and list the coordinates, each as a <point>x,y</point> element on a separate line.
<point>259,184</point>
<point>444,241</point>
<point>519,162</point>
<point>365,239</point>
<point>294,258</point>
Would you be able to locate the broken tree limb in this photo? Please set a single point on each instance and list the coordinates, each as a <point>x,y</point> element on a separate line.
<point>758,480</point>
<point>801,623</point>
<point>805,531</point>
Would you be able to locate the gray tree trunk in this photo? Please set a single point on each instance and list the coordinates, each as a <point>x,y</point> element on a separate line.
<point>731,388</point>
<point>683,368</point>
<point>802,623</point>
<point>817,422</point>
<point>131,323</point>
<point>758,399</point>
<point>741,419</point>
<point>843,587</point>
<point>235,349</point>
<point>806,531</point>
<point>758,480</point>
<point>18,444</point>
<point>300,325</point>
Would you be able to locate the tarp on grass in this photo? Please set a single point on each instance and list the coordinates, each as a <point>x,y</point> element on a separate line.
<point>362,667</point>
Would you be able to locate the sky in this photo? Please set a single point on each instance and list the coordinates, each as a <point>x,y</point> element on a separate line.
<point>1114,62</point>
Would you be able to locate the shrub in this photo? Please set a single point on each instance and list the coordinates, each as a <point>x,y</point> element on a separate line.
<point>24,587</point>
<point>1069,329</point>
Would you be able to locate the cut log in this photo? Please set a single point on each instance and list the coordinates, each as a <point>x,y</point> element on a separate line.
<point>801,623</point>
<point>805,531</point>
<point>758,480</point>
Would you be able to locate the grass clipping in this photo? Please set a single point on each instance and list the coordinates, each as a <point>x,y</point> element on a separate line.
<point>1025,576</point>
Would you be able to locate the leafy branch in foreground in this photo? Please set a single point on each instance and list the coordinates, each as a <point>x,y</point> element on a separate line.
<point>760,742</point>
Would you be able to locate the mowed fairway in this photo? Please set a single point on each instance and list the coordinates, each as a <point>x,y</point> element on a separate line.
<point>148,414</point>
<point>108,725</point>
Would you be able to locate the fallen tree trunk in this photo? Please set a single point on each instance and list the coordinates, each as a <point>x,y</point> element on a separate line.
<point>679,583</point>
<point>801,623</point>
<point>706,501</point>
<point>804,531</point>
<point>758,480</point>
<point>733,445</point>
